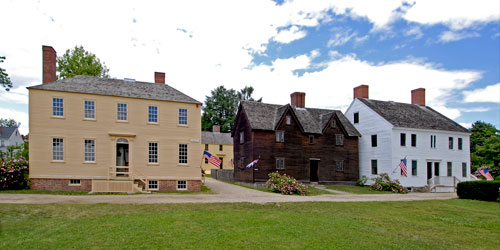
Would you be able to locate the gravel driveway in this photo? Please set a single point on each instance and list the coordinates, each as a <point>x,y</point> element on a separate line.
<point>224,193</point>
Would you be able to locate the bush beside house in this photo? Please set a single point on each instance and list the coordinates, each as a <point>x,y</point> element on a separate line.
<point>14,173</point>
<point>479,190</point>
<point>285,184</point>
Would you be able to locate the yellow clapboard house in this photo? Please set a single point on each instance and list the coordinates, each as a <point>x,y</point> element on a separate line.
<point>220,145</point>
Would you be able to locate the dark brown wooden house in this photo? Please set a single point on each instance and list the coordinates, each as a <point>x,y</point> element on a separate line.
<point>312,145</point>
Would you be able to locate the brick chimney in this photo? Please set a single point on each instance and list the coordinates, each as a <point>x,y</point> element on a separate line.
<point>361,91</point>
<point>49,64</point>
<point>298,99</point>
<point>418,96</point>
<point>216,128</point>
<point>159,77</point>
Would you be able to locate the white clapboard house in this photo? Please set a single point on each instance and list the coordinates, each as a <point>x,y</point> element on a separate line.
<point>435,147</point>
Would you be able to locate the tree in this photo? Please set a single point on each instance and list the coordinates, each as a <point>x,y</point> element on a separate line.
<point>77,61</point>
<point>4,77</point>
<point>220,108</point>
<point>9,123</point>
<point>246,94</point>
<point>484,145</point>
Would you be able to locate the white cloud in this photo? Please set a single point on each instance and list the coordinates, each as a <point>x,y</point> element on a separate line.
<point>489,94</point>
<point>478,109</point>
<point>415,31</point>
<point>340,37</point>
<point>19,116</point>
<point>465,124</point>
<point>452,36</point>
<point>289,35</point>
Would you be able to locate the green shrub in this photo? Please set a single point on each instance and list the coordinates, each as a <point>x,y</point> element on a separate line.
<point>362,181</point>
<point>384,183</point>
<point>479,190</point>
<point>285,184</point>
<point>13,173</point>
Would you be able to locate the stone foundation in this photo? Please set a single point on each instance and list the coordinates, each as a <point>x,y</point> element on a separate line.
<point>60,184</point>
<point>171,186</point>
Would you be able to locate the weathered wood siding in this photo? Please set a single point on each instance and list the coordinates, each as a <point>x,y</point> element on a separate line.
<point>243,151</point>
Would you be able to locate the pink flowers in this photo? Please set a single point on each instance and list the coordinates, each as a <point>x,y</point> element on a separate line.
<point>285,184</point>
<point>14,173</point>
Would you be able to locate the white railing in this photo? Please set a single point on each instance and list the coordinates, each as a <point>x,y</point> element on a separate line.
<point>443,181</point>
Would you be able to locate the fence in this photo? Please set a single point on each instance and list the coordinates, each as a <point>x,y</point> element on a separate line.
<point>223,174</point>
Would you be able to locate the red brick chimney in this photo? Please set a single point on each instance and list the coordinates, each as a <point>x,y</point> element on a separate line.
<point>418,96</point>
<point>298,99</point>
<point>159,77</point>
<point>49,64</point>
<point>361,91</point>
<point>216,128</point>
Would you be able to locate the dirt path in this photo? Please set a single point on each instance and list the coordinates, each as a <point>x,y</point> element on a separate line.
<point>225,193</point>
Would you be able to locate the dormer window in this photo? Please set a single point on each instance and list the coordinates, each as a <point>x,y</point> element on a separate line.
<point>333,124</point>
<point>288,120</point>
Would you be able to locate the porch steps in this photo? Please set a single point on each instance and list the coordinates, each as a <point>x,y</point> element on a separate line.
<point>116,186</point>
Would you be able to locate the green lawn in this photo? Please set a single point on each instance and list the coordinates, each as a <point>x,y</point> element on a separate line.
<point>312,190</point>
<point>204,190</point>
<point>356,189</point>
<point>451,224</point>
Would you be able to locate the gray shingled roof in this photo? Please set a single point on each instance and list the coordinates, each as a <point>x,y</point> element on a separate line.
<point>6,132</point>
<point>216,138</point>
<point>412,116</point>
<point>117,87</point>
<point>263,116</point>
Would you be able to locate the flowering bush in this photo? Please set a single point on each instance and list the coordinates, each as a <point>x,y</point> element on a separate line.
<point>384,183</point>
<point>13,173</point>
<point>285,184</point>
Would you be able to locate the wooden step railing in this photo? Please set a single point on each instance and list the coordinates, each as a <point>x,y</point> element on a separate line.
<point>442,181</point>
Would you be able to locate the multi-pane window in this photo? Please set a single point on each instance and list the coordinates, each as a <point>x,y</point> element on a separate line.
<point>89,154</point>
<point>460,142</point>
<point>333,124</point>
<point>182,185</point>
<point>153,152</point>
<point>183,153</point>
<point>74,182</point>
<point>121,112</point>
<point>433,141</point>
<point>413,140</point>
<point>153,114</point>
<point>183,116</point>
<point>206,147</point>
<point>57,107</point>
<point>57,149</point>
<point>356,117</point>
<point>464,169</point>
<point>414,168</point>
<point>242,137</point>
<point>280,136</point>
<point>374,140</point>
<point>221,147</point>
<point>403,139</point>
<point>89,109</point>
<point>339,140</point>
<point>153,185</point>
<point>339,166</point>
<point>280,163</point>
<point>288,120</point>
<point>374,166</point>
<point>311,139</point>
<point>450,169</point>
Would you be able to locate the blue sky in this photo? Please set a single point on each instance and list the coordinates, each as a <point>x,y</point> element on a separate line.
<point>323,48</point>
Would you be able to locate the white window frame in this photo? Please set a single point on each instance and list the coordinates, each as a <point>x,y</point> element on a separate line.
<point>376,166</point>
<point>75,182</point>
<point>433,141</point>
<point>183,154</point>
<point>122,112</point>
<point>58,150</point>
<point>153,114</point>
<point>182,185</point>
<point>153,185</point>
<point>89,109</point>
<point>89,156</point>
<point>450,143</point>
<point>57,111</point>
<point>183,116</point>
<point>153,155</point>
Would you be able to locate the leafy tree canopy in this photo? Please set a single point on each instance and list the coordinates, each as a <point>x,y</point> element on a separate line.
<point>77,61</point>
<point>4,77</point>
<point>221,106</point>
<point>485,145</point>
<point>9,123</point>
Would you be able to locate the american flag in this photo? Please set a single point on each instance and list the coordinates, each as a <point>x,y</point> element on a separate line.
<point>212,159</point>
<point>252,163</point>
<point>486,174</point>
<point>402,165</point>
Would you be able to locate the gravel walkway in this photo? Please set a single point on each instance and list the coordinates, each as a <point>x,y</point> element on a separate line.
<point>225,193</point>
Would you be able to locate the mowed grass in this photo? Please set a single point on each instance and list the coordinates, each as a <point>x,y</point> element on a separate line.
<point>204,190</point>
<point>451,224</point>
<point>356,189</point>
<point>312,190</point>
